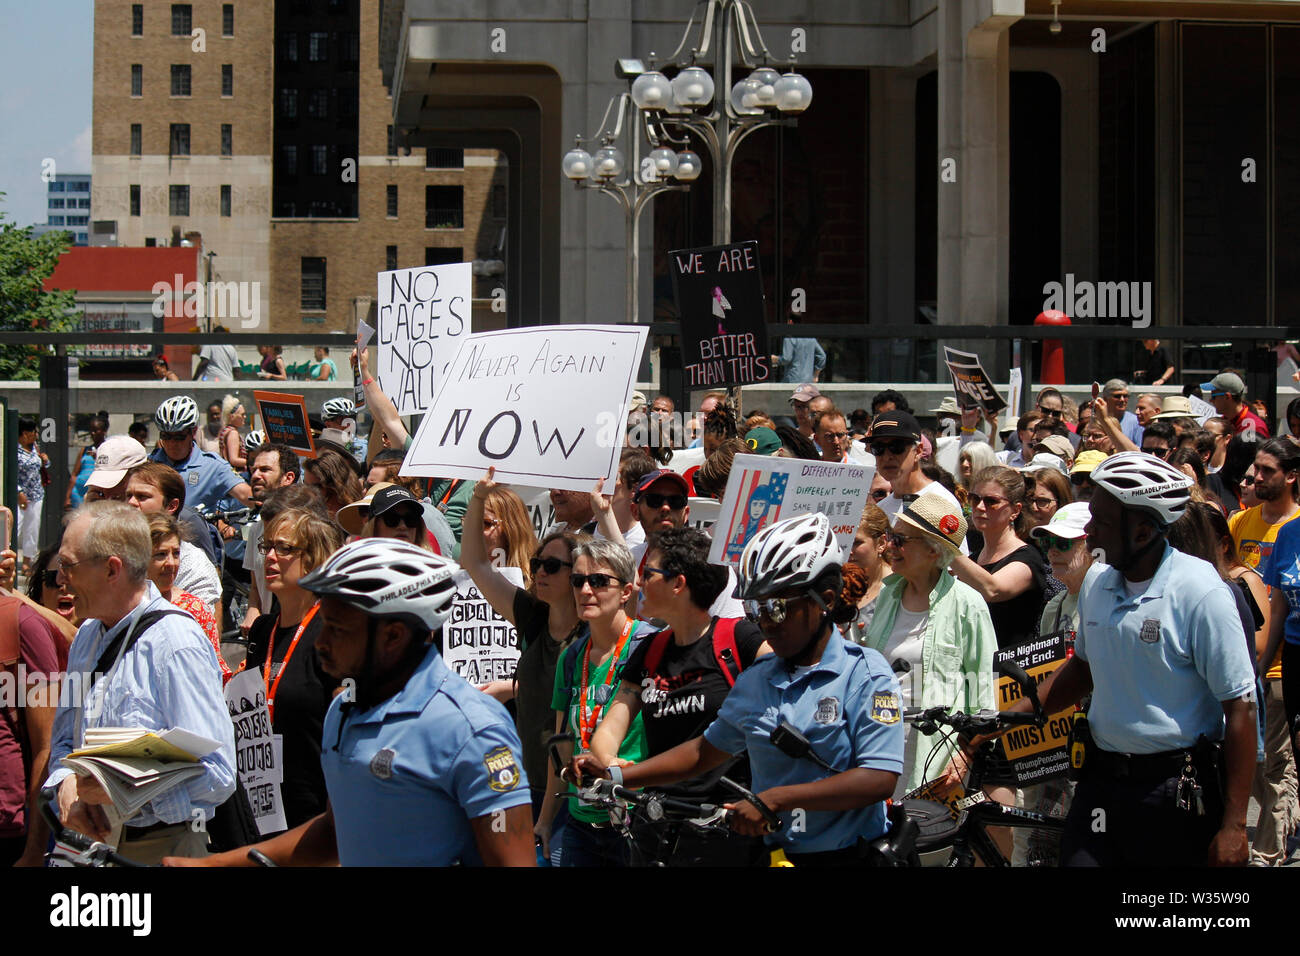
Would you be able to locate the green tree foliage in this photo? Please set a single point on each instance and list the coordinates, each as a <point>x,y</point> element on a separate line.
<point>26,261</point>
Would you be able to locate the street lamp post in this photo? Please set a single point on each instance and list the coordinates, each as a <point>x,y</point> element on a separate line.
<point>719,114</point>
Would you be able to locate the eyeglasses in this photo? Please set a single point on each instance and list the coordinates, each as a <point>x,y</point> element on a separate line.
<point>412,519</point>
<point>776,609</point>
<point>1247,480</point>
<point>69,565</point>
<point>898,446</point>
<point>174,436</point>
<point>1080,479</point>
<point>281,549</point>
<point>50,578</point>
<point>836,436</point>
<point>549,565</point>
<point>660,571</point>
<point>1040,503</point>
<point>988,501</point>
<point>1158,452</point>
<point>1054,412</point>
<point>898,540</point>
<point>656,501</point>
<point>880,494</point>
<point>597,581</point>
<point>1053,543</point>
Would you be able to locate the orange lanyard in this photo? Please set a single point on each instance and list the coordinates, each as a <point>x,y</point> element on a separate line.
<point>284,664</point>
<point>587,727</point>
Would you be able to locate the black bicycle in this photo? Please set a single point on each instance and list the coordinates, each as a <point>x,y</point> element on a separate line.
<point>956,841</point>
<point>235,581</point>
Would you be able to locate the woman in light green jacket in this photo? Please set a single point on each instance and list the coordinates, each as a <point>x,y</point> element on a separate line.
<point>939,627</point>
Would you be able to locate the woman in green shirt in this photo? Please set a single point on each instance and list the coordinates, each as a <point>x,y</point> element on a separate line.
<point>323,369</point>
<point>586,678</point>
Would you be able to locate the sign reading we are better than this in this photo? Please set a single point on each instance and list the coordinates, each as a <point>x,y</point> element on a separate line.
<point>724,324</point>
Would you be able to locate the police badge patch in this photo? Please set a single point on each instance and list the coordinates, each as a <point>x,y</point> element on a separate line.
<point>1150,632</point>
<point>381,764</point>
<point>828,710</point>
<point>884,708</point>
<point>503,770</point>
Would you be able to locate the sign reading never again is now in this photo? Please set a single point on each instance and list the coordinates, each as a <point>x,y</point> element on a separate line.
<point>284,419</point>
<point>719,293</point>
<point>421,315</point>
<point>544,406</point>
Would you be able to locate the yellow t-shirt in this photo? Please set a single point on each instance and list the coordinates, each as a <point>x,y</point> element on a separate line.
<point>1254,538</point>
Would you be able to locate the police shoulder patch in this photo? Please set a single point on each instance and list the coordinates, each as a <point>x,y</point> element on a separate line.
<point>502,769</point>
<point>885,708</point>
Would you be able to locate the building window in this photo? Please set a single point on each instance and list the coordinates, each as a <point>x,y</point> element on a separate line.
<point>392,141</point>
<point>289,47</point>
<point>227,19</point>
<point>392,202</point>
<point>443,255</point>
<point>180,79</point>
<point>319,160</point>
<point>56,220</point>
<point>137,79</point>
<point>227,139</point>
<point>135,200</point>
<point>137,19</point>
<point>390,258</point>
<point>58,203</point>
<point>79,186</point>
<point>81,203</point>
<point>58,187</point>
<point>78,220</point>
<point>178,200</point>
<point>180,139</point>
<point>318,104</point>
<point>225,200</point>
<point>289,103</point>
<point>318,47</point>
<point>182,19</point>
<point>441,158</point>
<point>498,201</point>
<point>150,242</point>
<point>350,50</point>
<point>289,159</point>
<point>313,283</point>
<point>135,139</point>
<point>444,207</point>
<point>227,79</point>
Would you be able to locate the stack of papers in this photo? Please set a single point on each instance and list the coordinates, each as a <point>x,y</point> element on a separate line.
<point>134,765</point>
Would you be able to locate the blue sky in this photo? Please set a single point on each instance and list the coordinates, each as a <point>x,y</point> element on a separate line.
<point>45,95</point>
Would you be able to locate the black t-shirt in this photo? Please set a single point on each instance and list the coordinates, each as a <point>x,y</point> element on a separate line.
<point>301,699</point>
<point>1156,363</point>
<point>1016,620</point>
<point>684,695</point>
<point>535,682</point>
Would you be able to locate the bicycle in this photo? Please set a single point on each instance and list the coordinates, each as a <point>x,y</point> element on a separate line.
<point>955,841</point>
<point>235,581</point>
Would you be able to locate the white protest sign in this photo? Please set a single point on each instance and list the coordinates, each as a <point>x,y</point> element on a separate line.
<point>763,490</point>
<point>970,383</point>
<point>477,642</point>
<point>1015,384</point>
<point>704,513</point>
<point>257,758</point>
<point>1202,410</point>
<point>544,406</point>
<point>422,315</point>
<point>364,334</point>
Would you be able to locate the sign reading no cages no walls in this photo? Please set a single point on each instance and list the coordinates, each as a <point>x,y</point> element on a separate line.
<point>421,316</point>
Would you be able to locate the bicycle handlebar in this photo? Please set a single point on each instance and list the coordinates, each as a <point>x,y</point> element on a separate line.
<point>981,723</point>
<point>93,852</point>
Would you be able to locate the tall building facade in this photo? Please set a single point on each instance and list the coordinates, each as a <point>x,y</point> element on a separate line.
<point>265,127</point>
<point>68,207</point>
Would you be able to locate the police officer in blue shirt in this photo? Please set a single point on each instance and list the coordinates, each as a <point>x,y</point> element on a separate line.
<point>208,478</point>
<point>1161,648</point>
<point>842,697</point>
<point>421,768</point>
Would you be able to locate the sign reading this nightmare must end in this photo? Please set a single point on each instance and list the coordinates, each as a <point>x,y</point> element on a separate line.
<point>546,406</point>
<point>724,324</point>
<point>422,314</point>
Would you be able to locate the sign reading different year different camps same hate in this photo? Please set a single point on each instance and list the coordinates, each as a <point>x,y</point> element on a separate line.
<point>421,317</point>
<point>724,324</point>
<point>763,490</point>
<point>477,642</point>
<point>972,385</point>
<point>545,406</point>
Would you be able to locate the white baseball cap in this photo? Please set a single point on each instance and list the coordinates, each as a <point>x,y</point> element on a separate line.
<point>1068,522</point>
<point>115,457</point>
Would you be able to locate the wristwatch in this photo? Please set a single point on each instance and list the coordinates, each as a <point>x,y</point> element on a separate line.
<point>615,774</point>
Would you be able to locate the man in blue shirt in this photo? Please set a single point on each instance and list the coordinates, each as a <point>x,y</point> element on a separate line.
<point>208,478</point>
<point>842,697</point>
<point>167,679</point>
<point>801,359</point>
<point>1160,646</point>
<point>1115,394</point>
<point>422,769</point>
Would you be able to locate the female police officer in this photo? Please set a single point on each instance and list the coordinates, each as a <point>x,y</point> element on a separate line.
<point>421,768</point>
<point>842,697</point>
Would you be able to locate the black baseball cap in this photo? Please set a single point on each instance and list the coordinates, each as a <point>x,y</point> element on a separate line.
<point>895,424</point>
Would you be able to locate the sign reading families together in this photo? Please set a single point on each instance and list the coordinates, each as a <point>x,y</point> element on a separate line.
<point>421,317</point>
<point>284,419</point>
<point>545,406</point>
<point>724,325</point>
<point>762,490</point>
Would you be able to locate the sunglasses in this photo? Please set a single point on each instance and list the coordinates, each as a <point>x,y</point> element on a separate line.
<point>173,436</point>
<point>1053,543</point>
<point>549,565</point>
<point>898,446</point>
<point>898,540</point>
<point>988,501</point>
<point>1080,479</point>
<point>50,579</point>
<point>1158,452</point>
<point>776,609</point>
<point>1247,479</point>
<point>879,494</point>
<point>1053,412</point>
<point>660,571</point>
<point>412,519</point>
<point>656,501</point>
<point>597,581</point>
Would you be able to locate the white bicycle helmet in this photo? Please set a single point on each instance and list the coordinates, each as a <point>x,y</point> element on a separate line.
<point>1145,482</point>
<point>179,413</point>
<point>387,577</point>
<point>338,408</point>
<point>789,554</point>
<point>255,439</point>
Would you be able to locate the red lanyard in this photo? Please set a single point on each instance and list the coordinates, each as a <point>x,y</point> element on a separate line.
<point>587,728</point>
<point>284,664</point>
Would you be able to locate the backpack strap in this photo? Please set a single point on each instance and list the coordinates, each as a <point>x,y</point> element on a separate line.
<point>11,653</point>
<point>724,649</point>
<point>571,655</point>
<point>125,641</point>
<point>655,652</point>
